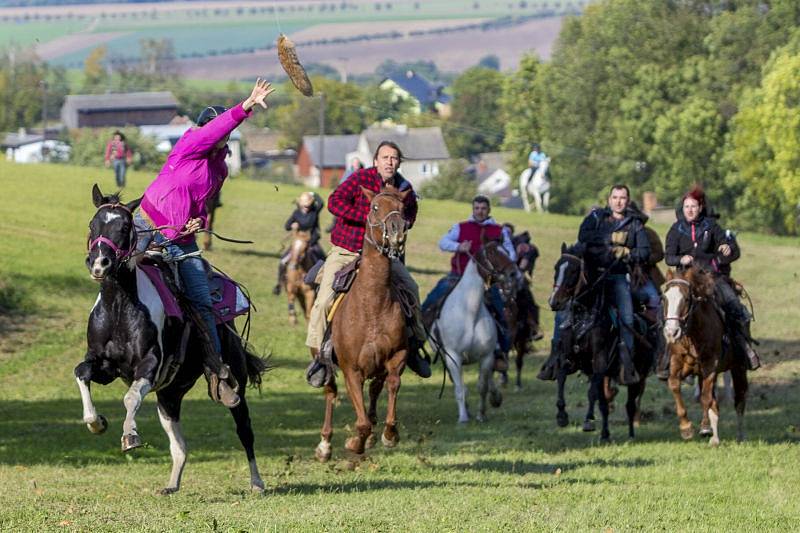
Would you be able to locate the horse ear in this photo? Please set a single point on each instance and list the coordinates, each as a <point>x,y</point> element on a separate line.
<point>403,194</point>
<point>134,204</point>
<point>670,274</point>
<point>368,193</point>
<point>97,196</point>
<point>563,247</point>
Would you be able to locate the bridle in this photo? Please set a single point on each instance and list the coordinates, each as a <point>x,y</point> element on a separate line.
<point>121,254</point>
<point>690,296</point>
<point>582,281</point>
<point>385,247</point>
<point>494,275</point>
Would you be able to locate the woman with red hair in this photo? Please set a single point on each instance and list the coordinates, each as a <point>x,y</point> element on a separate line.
<point>696,239</point>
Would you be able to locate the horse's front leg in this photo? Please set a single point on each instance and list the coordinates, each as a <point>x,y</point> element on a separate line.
<point>97,424</point>
<point>323,451</point>
<point>562,418</point>
<point>290,296</point>
<point>674,383</point>
<point>707,383</point>
<point>308,294</point>
<point>740,386</point>
<point>355,389</point>
<point>456,371</point>
<point>375,389</point>
<point>133,401</point>
<point>169,412</point>
<point>487,387</point>
<point>390,436</point>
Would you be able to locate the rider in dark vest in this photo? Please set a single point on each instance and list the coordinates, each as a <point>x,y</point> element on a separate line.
<point>615,242</point>
<point>696,239</point>
<point>465,239</point>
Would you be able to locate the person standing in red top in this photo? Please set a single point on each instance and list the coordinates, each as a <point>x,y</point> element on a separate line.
<point>119,154</point>
<point>351,207</point>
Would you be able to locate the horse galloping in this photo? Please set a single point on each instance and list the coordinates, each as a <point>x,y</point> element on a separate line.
<point>694,329</point>
<point>466,331</point>
<point>369,328</point>
<point>129,336</point>
<point>535,183</point>
<point>297,266</point>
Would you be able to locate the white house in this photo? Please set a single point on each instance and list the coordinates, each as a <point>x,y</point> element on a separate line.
<point>424,150</point>
<point>166,135</point>
<point>23,147</point>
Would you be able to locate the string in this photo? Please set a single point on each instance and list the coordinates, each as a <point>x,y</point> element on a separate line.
<point>275,14</point>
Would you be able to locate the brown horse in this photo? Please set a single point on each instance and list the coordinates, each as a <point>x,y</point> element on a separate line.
<point>368,333</point>
<point>694,328</point>
<point>299,263</point>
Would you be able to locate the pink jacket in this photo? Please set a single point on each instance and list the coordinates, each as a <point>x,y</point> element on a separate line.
<point>191,174</point>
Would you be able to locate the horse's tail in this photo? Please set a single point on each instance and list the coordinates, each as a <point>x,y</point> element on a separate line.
<point>255,366</point>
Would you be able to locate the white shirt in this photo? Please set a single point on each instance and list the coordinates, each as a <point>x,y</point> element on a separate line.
<point>449,243</point>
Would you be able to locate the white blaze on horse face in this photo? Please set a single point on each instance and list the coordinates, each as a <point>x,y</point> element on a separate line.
<point>672,326</point>
<point>109,216</point>
<point>562,270</point>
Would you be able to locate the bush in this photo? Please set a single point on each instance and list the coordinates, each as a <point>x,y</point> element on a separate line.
<point>453,183</point>
<point>13,299</point>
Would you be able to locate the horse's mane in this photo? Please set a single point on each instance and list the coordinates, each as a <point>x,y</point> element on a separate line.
<point>391,190</point>
<point>701,280</point>
<point>115,198</point>
<point>577,249</point>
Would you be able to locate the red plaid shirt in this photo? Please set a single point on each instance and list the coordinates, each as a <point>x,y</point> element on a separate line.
<point>351,207</point>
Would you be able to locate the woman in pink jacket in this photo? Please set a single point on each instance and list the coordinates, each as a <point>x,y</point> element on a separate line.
<point>174,205</point>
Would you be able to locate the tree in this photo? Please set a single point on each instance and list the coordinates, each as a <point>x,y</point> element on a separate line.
<point>521,104</point>
<point>764,151</point>
<point>95,75</point>
<point>490,61</point>
<point>476,123</point>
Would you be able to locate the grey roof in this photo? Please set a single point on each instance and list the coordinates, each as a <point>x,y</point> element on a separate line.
<point>15,140</point>
<point>104,102</point>
<point>416,143</point>
<point>336,148</point>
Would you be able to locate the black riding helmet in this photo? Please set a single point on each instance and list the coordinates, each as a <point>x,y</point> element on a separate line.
<point>208,114</point>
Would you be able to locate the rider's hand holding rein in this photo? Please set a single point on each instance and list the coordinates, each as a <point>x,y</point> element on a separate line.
<point>725,249</point>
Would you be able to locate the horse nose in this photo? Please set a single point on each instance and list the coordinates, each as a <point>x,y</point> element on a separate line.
<point>99,267</point>
<point>672,332</point>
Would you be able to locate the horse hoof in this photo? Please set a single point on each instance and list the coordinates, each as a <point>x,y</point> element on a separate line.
<point>463,420</point>
<point>705,431</point>
<point>388,443</point>
<point>713,442</point>
<point>129,442</point>
<point>355,445</point>
<point>588,426</point>
<point>323,451</point>
<point>687,433</point>
<point>518,388</point>
<point>370,442</point>
<point>258,487</point>
<point>166,491</point>
<point>495,398</point>
<point>99,426</point>
<point>562,419</point>
<point>606,439</point>
<point>480,418</point>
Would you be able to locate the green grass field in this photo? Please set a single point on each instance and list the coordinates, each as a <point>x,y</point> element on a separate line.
<point>517,471</point>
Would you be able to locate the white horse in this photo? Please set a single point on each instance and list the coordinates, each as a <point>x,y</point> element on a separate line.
<point>466,332</point>
<point>535,183</point>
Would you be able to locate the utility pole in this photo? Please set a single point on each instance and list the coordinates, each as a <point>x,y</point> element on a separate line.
<point>321,135</point>
<point>44,108</point>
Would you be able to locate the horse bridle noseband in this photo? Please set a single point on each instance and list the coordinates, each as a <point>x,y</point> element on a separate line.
<point>384,247</point>
<point>120,253</point>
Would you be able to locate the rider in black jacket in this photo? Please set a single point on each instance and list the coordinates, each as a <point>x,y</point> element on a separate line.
<point>304,218</point>
<point>697,240</point>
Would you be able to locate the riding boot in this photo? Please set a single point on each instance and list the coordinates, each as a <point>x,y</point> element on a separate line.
<point>419,364</point>
<point>627,371</point>
<point>662,363</point>
<point>276,290</point>
<point>222,386</point>
<point>320,371</point>
<point>740,333</point>
<point>551,366</point>
<point>500,360</point>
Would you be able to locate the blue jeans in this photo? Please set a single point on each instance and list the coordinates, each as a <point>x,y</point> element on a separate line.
<point>621,293</point>
<point>497,310</point>
<point>439,290</point>
<point>120,166</point>
<point>648,294</point>
<point>193,275</point>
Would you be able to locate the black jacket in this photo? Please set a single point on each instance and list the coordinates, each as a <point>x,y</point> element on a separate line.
<point>700,239</point>
<point>595,234</point>
<point>307,221</point>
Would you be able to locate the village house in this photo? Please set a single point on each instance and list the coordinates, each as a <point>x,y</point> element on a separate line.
<point>335,148</point>
<point>118,110</point>
<point>423,94</point>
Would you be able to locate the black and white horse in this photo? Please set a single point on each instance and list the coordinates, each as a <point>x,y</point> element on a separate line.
<point>129,337</point>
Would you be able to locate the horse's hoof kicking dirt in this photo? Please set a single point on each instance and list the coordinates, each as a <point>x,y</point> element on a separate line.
<point>167,491</point>
<point>99,426</point>
<point>130,442</point>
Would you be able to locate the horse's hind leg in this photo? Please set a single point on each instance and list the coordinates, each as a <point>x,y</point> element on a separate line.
<point>537,199</point>
<point>487,386</point>
<point>519,360</point>
<point>707,384</point>
<point>97,424</point>
<point>602,403</point>
<point>546,201</point>
<point>169,412</point>
<point>592,396</point>
<point>290,296</point>
<point>133,400</point>
<point>375,389</point>
<point>244,429</point>
<point>740,386</point>
<point>632,406</point>
<point>323,451</point>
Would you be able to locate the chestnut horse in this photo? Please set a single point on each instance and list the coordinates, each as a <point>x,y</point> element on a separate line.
<point>369,328</point>
<point>694,328</point>
<point>299,263</point>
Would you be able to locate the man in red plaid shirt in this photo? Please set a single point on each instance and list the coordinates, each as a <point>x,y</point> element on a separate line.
<point>351,209</point>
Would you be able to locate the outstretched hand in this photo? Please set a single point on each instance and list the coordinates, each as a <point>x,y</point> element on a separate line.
<point>259,94</point>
